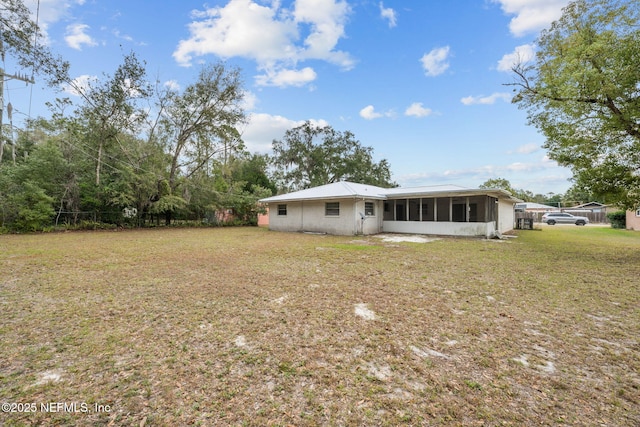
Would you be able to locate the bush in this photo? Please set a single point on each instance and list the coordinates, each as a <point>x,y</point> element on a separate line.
<point>618,219</point>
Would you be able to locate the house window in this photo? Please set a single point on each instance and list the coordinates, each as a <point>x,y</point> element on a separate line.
<point>369,209</point>
<point>332,209</point>
<point>282,210</point>
<point>638,212</point>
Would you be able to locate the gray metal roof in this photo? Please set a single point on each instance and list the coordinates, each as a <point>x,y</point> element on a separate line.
<point>336,190</point>
<point>350,190</point>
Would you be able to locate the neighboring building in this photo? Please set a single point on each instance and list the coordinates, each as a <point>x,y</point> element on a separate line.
<point>633,220</point>
<point>346,208</point>
<point>535,207</point>
<point>589,207</point>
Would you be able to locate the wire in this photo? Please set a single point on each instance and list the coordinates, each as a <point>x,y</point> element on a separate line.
<point>35,44</point>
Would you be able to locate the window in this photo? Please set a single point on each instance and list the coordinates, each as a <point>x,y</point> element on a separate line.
<point>369,209</point>
<point>282,210</point>
<point>638,212</point>
<point>332,209</point>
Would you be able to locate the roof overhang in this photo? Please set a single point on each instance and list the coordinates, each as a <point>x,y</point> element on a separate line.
<point>349,191</point>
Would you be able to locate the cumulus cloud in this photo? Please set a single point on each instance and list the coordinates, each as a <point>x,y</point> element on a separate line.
<point>486,100</point>
<point>520,55</point>
<point>263,128</point>
<point>49,12</point>
<point>76,36</point>
<point>270,35</point>
<point>283,78</point>
<point>369,113</point>
<point>531,16</point>
<point>417,110</point>
<point>388,14</point>
<point>436,61</point>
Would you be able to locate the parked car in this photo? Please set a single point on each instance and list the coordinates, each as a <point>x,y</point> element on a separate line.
<point>553,218</point>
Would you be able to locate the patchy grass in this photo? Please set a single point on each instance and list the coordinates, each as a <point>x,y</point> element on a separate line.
<point>242,326</point>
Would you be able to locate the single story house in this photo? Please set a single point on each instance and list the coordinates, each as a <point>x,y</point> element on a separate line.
<point>347,208</point>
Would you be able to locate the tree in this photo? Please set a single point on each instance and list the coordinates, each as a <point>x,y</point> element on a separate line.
<point>504,184</point>
<point>110,107</point>
<point>310,155</point>
<point>583,93</point>
<point>200,124</point>
<point>19,37</point>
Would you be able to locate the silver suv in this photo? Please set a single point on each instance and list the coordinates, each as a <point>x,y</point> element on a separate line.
<point>553,218</point>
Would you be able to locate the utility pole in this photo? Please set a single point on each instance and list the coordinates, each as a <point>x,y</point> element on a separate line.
<point>4,76</point>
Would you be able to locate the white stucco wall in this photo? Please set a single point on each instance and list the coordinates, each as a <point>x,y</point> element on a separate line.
<point>506,216</point>
<point>310,216</point>
<point>440,228</point>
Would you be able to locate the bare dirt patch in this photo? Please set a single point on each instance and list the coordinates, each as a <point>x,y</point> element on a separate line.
<point>249,327</point>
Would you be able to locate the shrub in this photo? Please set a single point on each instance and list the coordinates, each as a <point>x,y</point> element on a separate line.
<point>618,219</point>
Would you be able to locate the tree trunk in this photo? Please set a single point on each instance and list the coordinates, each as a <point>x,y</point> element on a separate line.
<point>99,162</point>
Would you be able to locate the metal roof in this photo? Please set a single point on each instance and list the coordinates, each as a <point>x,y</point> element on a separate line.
<point>336,190</point>
<point>350,190</point>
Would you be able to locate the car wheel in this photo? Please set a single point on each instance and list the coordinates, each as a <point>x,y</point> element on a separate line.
<point>551,222</point>
<point>580,222</point>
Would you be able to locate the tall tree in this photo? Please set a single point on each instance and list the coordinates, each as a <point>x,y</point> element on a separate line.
<point>583,93</point>
<point>311,155</point>
<point>110,108</point>
<point>201,124</point>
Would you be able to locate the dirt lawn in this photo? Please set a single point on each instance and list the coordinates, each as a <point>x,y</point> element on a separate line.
<point>242,326</point>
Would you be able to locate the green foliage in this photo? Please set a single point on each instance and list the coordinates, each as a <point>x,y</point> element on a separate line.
<point>618,219</point>
<point>34,207</point>
<point>310,155</point>
<point>182,158</point>
<point>169,203</point>
<point>582,94</point>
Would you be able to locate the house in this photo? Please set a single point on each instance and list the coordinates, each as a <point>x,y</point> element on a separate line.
<point>633,220</point>
<point>347,208</point>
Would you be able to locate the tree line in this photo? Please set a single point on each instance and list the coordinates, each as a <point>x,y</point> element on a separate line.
<point>135,151</point>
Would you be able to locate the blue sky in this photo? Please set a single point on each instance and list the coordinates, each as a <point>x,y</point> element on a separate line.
<point>422,82</point>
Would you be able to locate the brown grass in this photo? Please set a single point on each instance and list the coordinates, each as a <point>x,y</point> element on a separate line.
<point>249,327</point>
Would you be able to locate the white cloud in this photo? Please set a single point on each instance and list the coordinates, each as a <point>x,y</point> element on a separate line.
<point>531,16</point>
<point>435,62</point>
<point>76,36</point>
<point>263,128</point>
<point>417,110</point>
<point>369,113</point>
<point>48,12</point>
<point>270,35</point>
<point>284,78</point>
<point>486,100</point>
<point>327,19</point>
<point>520,55</point>
<point>388,14</point>
<point>80,84</point>
<point>172,85</point>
